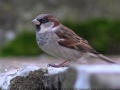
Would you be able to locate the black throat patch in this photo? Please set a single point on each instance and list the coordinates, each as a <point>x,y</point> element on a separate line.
<point>38,28</point>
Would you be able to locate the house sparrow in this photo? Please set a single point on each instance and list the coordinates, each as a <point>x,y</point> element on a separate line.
<point>60,41</point>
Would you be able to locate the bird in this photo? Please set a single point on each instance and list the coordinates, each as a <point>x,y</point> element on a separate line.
<point>59,41</point>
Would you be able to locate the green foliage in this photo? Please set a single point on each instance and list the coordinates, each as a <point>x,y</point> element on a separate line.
<point>102,34</point>
<point>24,45</point>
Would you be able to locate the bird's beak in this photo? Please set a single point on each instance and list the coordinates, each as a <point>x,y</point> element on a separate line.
<point>36,22</point>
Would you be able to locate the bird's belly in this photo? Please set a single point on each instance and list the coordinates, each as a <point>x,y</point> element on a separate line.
<point>54,49</point>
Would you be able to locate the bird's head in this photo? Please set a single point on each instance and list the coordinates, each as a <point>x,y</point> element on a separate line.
<point>45,21</point>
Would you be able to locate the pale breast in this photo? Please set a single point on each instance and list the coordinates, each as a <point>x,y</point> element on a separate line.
<point>49,44</point>
<point>41,39</point>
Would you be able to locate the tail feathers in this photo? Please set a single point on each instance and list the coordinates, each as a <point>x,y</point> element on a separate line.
<point>102,57</point>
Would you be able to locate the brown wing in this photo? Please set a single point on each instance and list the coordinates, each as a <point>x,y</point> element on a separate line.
<point>70,40</point>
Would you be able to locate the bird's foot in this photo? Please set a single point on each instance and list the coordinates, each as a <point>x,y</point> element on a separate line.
<point>63,64</point>
<point>57,66</point>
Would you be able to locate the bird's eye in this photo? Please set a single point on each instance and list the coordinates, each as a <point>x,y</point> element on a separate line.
<point>44,20</point>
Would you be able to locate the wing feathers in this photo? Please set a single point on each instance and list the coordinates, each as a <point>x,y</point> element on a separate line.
<point>70,40</point>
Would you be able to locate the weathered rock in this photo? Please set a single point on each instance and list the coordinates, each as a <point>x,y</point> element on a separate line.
<point>32,78</point>
<point>77,77</point>
<point>34,81</point>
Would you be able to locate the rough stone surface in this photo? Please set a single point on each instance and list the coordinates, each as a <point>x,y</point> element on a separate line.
<point>40,79</point>
<point>76,76</point>
<point>37,80</point>
<point>34,81</point>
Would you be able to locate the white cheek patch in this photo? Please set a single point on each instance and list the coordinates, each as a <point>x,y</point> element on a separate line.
<point>46,27</point>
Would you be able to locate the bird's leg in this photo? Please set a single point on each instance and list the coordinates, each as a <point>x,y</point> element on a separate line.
<point>60,65</point>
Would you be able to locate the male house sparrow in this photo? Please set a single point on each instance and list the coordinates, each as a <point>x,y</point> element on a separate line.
<point>60,41</point>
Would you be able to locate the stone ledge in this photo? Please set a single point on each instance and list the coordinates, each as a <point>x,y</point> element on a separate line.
<point>76,76</point>
<point>93,77</point>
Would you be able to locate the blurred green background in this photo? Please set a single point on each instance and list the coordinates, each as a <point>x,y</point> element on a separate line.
<point>98,21</point>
